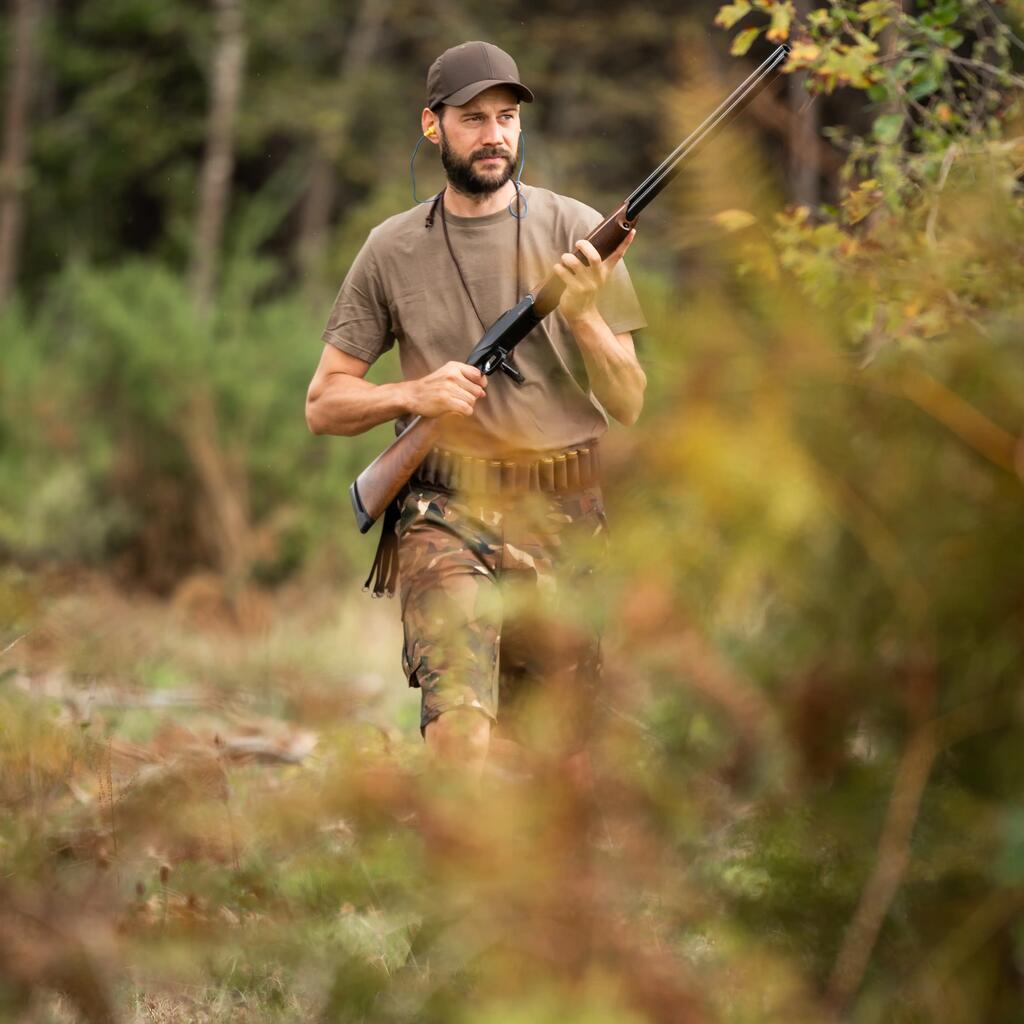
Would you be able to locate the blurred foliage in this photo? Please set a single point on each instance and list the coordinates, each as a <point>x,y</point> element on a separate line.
<point>94,395</point>
<point>806,798</point>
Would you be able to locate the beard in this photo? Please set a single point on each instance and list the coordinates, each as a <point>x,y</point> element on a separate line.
<point>465,179</point>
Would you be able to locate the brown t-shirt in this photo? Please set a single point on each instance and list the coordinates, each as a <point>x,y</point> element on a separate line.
<point>404,286</point>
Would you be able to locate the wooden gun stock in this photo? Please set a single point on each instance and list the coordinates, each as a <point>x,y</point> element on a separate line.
<point>378,485</point>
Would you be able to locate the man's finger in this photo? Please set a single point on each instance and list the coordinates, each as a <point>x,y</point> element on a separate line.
<point>571,263</point>
<point>473,373</point>
<point>588,250</point>
<point>621,249</point>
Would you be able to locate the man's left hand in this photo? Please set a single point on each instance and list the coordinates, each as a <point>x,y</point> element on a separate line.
<point>582,283</point>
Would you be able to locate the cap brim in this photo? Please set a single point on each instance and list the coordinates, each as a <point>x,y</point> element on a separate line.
<point>467,92</point>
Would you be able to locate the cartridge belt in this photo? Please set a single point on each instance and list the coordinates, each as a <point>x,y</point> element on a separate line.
<point>565,470</point>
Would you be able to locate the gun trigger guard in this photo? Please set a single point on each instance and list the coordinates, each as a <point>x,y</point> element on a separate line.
<point>499,361</point>
<point>511,371</point>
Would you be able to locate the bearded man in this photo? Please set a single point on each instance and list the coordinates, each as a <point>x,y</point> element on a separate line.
<point>504,521</point>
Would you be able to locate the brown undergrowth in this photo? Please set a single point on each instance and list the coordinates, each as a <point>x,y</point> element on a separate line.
<point>211,824</point>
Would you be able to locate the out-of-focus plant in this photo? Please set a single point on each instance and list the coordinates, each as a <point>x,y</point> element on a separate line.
<point>96,385</point>
<point>947,96</point>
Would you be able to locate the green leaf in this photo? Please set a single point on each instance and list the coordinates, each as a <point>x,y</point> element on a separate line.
<point>943,14</point>
<point>872,9</point>
<point>728,16</point>
<point>854,67</point>
<point>744,41</point>
<point>887,128</point>
<point>924,83</point>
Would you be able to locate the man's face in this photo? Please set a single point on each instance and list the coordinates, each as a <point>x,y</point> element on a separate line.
<point>479,141</point>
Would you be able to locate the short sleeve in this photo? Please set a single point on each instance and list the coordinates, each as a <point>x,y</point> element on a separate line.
<point>617,301</point>
<point>618,304</point>
<point>360,319</point>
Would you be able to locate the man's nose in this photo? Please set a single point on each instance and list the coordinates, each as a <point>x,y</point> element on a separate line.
<point>492,135</point>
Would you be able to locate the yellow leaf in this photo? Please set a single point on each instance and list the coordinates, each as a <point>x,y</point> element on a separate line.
<point>734,220</point>
<point>803,54</point>
<point>728,16</point>
<point>867,196</point>
<point>744,41</point>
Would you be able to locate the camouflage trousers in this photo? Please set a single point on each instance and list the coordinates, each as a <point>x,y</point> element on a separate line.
<point>499,609</point>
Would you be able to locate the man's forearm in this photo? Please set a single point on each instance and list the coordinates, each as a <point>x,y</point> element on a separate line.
<point>349,405</point>
<point>616,378</point>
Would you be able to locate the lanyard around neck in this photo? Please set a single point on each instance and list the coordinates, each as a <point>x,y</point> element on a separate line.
<point>458,268</point>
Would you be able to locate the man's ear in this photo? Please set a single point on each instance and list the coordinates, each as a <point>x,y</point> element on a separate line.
<point>431,124</point>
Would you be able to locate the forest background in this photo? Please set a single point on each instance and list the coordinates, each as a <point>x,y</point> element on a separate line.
<point>808,800</point>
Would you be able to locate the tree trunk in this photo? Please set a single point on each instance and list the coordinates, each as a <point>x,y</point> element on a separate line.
<point>803,141</point>
<point>225,489</point>
<point>21,72</point>
<point>315,215</point>
<point>215,180</point>
<point>222,479</point>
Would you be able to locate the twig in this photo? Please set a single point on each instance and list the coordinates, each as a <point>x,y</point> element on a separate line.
<point>891,862</point>
<point>933,213</point>
<point>999,74</point>
<point>227,805</point>
<point>17,640</point>
<point>968,423</point>
<point>108,772</point>
<point>1013,37</point>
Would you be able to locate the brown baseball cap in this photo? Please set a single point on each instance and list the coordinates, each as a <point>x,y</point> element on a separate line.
<point>465,70</point>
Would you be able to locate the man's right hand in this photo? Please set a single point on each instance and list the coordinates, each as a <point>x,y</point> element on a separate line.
<point>454,388</point>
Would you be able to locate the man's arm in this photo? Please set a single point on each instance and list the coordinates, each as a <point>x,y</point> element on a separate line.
<point>341,401</point>
<point>616,377</point>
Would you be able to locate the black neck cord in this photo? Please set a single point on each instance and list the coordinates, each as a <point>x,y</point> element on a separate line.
<point>439,203</point>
